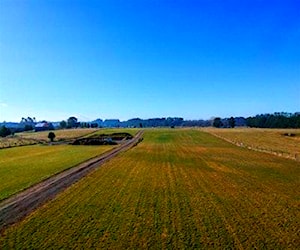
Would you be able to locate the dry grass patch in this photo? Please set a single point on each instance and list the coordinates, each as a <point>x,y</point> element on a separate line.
<point>61,134</point>
<point>276,141</point>
<point>31,138</point>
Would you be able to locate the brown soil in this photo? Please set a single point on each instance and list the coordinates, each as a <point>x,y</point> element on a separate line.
<point>20,205</point>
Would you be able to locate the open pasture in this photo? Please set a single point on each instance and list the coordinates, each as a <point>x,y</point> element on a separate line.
<point>31,138</point>
<point>21,167</point>
<point>178,189</point>
<point>16,141</point>
<point>61,134</point>
<point>281,142</point>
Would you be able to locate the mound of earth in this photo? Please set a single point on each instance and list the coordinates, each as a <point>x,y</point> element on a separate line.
<point>289,134</point>
<point>103,139</point>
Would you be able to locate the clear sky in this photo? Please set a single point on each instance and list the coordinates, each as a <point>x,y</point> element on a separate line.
<point>148,58</point>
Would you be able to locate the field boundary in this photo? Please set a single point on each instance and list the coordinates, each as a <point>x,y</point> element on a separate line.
<point>295,157</point>
<point>16,207</point>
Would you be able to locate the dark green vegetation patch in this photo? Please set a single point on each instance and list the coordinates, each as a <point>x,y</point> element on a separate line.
<point>103,139</point>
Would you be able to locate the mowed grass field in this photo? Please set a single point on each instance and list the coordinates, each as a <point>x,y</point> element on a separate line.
<point>271,140</point>
<point>21,167</point>
<point>178,189</point>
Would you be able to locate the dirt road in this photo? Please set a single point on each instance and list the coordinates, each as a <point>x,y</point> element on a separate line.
<point>18,206</point>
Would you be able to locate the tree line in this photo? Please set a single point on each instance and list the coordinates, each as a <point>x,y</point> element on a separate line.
<point>275,120</point>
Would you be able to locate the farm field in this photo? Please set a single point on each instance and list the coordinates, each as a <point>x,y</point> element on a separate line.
<point>65,134</point>
<point>274,141</point>
<point>61,134</point>
<point>20,167</point>
<point>178,189</point>
<point>31,138</point>
<point>16,141</point>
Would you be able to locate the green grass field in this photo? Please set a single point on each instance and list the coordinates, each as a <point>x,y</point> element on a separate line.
<point>20,167</point>
<point>178,189</point>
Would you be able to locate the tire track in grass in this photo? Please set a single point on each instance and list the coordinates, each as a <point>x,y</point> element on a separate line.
<point>139,205</point>
<point>116,207</point>
<point>210,213</point>
<point>191,184</point>
<point>137,220</point>
<point>259,215</point>
<point>187,210</point>
<point>157,210</point>
<point>247,204</point>
<point>252,202</point>
<point>168,225</point>
<point>127,196</point>
<point>210,198</point>
<point>175,208</point>
<point>150,197</point>
<point>245,207</point>
<point>233,216</point>
<point>188,228</point>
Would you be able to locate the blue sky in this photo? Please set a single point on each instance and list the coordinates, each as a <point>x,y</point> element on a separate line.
<point>152,58</point>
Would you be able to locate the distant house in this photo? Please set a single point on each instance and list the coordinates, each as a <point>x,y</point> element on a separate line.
<point>43,126</point>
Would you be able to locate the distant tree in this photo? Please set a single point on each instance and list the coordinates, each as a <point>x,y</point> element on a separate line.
<point>217,122</point>
<point>231,122</point>
<point>94,125</point>
<point>63,124</point>
<point>141,125</point>
<point>30,120</point>
<point>4,131</point>
<point>276,120</point>
<point>51,136</point>
<point>28,127</point>
<point>72,122</point>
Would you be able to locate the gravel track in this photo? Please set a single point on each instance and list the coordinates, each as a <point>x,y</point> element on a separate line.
<point>20,205</point>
